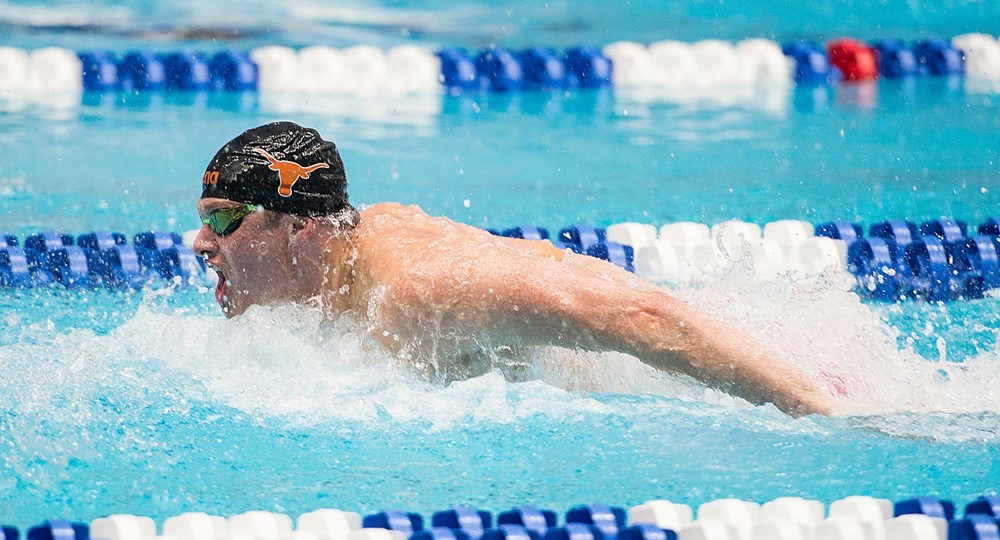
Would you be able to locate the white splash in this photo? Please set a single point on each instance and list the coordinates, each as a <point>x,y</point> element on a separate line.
<point>830,333</point>
<point>289,363</point>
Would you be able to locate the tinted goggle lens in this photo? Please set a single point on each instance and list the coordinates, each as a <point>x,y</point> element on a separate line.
<point>226,220</point>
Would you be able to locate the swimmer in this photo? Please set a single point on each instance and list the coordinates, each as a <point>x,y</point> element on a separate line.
<point>278,228</point>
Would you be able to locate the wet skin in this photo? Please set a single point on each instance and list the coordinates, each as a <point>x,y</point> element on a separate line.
<point>429,286</point>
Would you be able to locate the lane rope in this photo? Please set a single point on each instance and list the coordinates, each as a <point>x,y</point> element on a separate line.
<point>411,69</point>
<point>785,518</point>
<point>936,261</point>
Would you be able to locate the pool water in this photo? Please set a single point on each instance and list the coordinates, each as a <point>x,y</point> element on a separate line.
<point>152,403</point>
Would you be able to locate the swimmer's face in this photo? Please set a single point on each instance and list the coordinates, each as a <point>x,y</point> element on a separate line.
<point>253,262</point>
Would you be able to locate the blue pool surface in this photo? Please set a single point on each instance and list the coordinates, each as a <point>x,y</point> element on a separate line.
<point>152,403</point>
<point>517,23</point>
<point>916,151</point>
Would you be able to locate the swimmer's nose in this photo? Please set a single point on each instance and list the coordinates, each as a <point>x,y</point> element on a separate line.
<point>204,244</point>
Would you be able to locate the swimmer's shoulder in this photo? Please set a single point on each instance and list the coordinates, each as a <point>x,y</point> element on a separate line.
<point>394,229</point>
<point>391,209</point>
<point>396,218</point>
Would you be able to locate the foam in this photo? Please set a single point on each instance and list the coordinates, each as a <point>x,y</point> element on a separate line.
<point>829,332</point>
<point>290,363</point>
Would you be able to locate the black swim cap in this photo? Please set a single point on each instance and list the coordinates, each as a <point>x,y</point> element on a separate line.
<point>282,166</point>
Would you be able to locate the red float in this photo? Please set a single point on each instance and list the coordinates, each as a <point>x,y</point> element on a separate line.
<point>857,61</point>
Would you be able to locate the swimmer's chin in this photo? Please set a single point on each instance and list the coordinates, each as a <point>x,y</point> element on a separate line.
<point>231,310</point>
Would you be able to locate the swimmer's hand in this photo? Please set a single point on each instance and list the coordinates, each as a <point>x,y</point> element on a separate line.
<point>841,407</point>
<point>814,400</point>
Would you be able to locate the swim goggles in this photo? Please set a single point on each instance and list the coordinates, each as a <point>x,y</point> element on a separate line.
<point>225,221</point>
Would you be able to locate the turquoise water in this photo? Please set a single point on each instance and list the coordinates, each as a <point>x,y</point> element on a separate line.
<point>152,403</point>
<point>919,151</point>
<point>516,23</point>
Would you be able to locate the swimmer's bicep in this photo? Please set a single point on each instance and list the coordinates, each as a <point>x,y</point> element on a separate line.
<point>535,296</point>
<point>518,247</point>
<point>565,305</point>
<point>600,268</point>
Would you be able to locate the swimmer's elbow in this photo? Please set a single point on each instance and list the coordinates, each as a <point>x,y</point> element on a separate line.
<point>648,324</point>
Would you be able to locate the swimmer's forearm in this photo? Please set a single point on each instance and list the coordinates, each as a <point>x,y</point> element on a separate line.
<point>724,357</point>
<point>669,335</point>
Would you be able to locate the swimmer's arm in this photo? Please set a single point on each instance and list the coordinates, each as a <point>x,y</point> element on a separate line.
<point>668,334</point>
<point>559,305</point>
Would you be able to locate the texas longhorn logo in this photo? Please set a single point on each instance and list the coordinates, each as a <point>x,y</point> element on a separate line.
<point>289,172</point>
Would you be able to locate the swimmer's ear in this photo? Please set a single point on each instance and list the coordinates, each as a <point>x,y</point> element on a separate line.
<point>305,228</point>
<point>299,234</point>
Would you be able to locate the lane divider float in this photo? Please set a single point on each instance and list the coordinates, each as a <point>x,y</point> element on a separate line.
<point>785,518</point>
<point>935,261</point>
<point>406,69</point>
<point>97,259</point>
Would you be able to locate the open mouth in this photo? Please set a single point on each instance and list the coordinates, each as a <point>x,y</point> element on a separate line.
<point>221,287</point>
